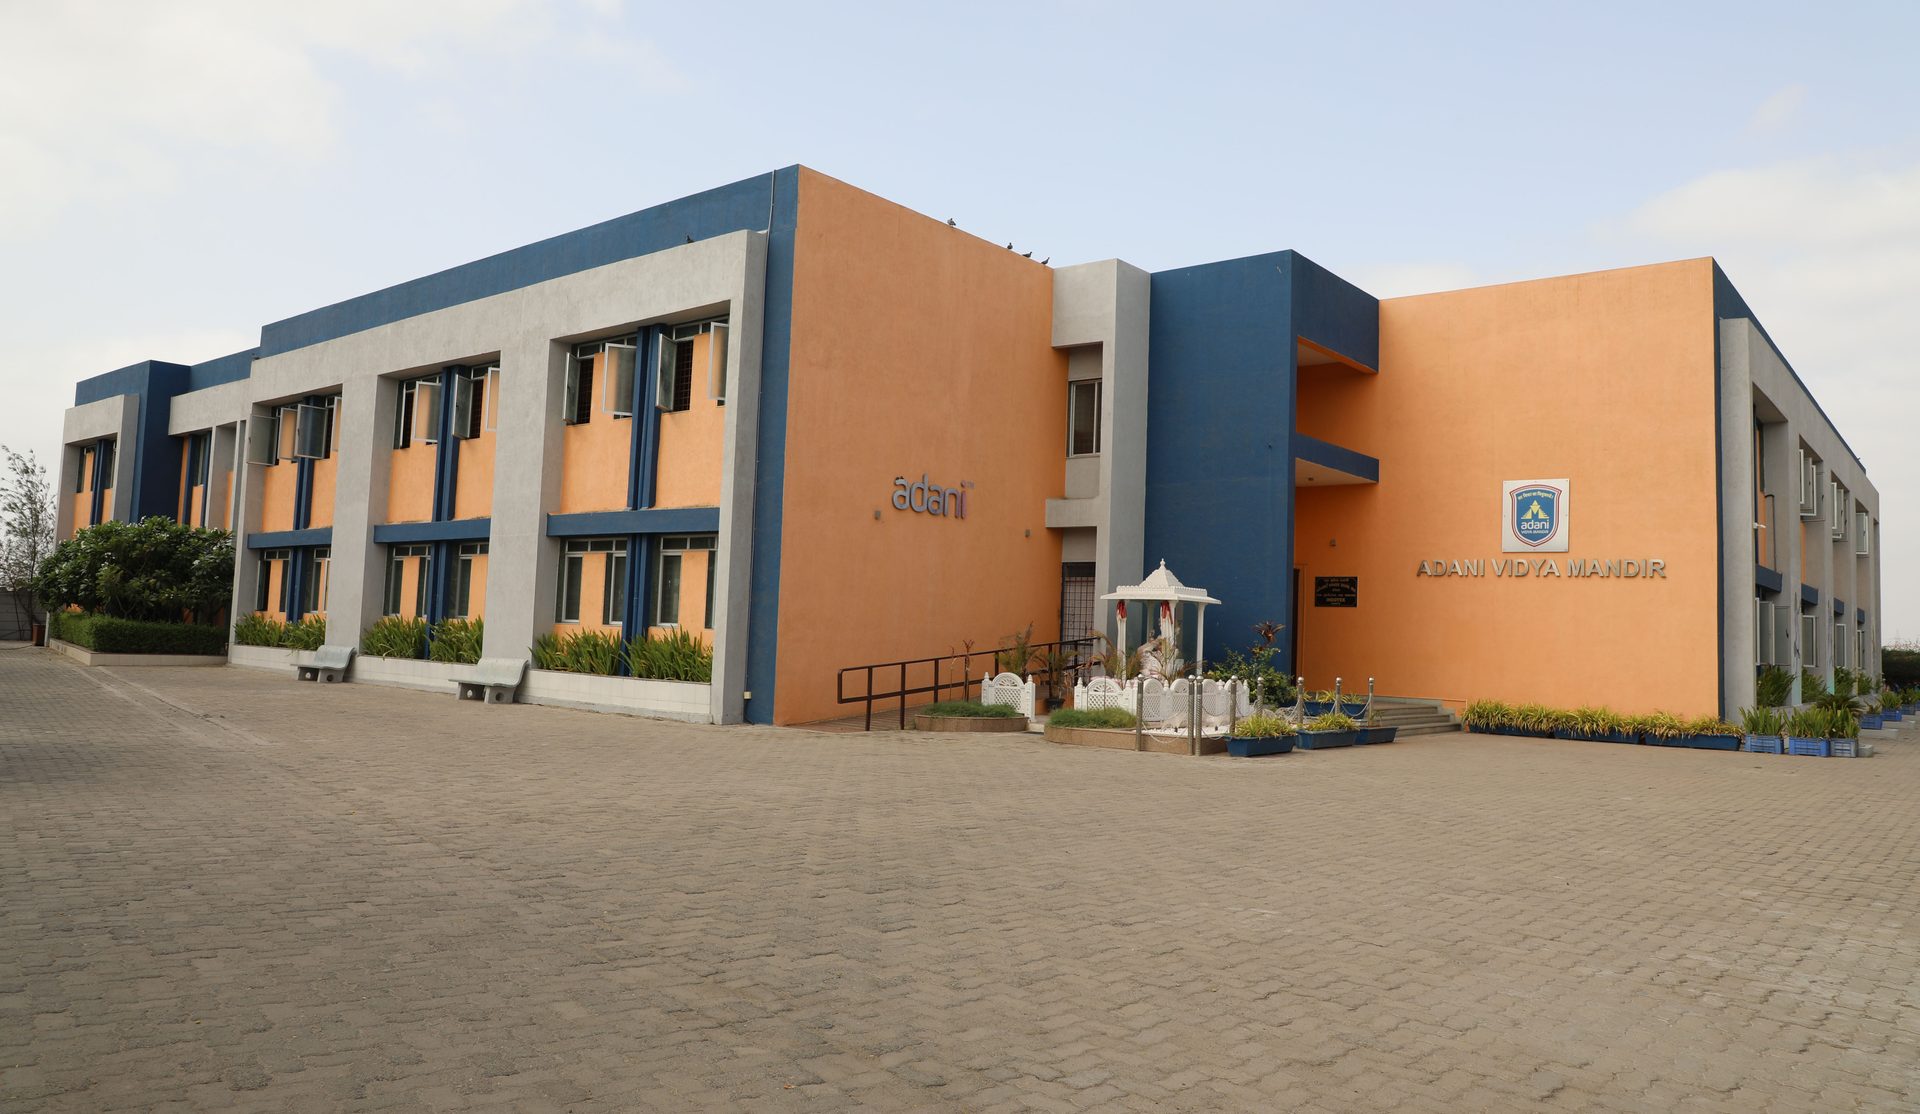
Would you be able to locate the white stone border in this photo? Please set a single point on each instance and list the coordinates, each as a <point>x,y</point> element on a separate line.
<point>90,657</point>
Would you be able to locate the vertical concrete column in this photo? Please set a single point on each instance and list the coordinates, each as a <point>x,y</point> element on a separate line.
<point>521,562</point>
<point>359,501</point>
<point>1739,634</point>
<point>126,447</point>
<point>1818,569</point>
<point>246,515</point>
<point>67,472</point>
<point>734,555</point>
<point>219,448</point>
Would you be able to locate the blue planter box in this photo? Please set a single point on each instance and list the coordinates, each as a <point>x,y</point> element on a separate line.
<point>1256,747</point>
<point>1369,735</point>
<point>1870,723</point>
<point>1808,748</point>
<point>1318,707</point>
<point>1764,744</point>
<point>1353,710</point>
<point>1711,742</point>
<point>1896,714</point>
<point>1327,740</point>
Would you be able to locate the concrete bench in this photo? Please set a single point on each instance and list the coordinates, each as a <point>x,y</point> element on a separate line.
<point>329,664</point>
<point>495,680</point>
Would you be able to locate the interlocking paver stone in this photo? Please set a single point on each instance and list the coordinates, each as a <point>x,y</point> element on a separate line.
<point>220,889</point>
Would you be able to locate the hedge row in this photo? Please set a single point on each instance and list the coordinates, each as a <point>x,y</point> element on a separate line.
<point>104,634</point>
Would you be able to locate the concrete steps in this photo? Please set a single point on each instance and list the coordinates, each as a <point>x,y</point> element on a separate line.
<point>1414,717</point>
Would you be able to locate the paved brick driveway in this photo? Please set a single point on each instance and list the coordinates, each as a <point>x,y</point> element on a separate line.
<point>222,890</point>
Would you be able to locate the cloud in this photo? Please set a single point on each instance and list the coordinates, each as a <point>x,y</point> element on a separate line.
<point>1394,280</point>
<point>1778,111</point>
<point>1827,252</point>
<point>102,100</point>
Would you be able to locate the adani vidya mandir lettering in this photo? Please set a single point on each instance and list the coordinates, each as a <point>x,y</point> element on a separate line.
<point>930,498</point>
<point>1536,516</point>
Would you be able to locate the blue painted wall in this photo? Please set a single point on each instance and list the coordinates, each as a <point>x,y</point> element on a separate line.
<point>770,467</point>
<point>1220,439</point>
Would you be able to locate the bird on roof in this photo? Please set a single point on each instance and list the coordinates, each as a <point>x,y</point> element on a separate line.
<point>1046,261</point>
<point>1009,245</point>
<point>689,239</point>
<point>951,223</point>
<point>1028,255</point>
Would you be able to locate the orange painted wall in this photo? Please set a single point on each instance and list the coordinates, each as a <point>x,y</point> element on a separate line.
<point>106,505</point>
<point>1604,378</point>
<point>473,486</point>
<point>477,591</point>
<point>410,483</point>
<point>410,569</point>
<point>595,457</point>
<point>276,573</point>
<point>183,511</point>
<point>691,443</point>
<point>277,483</point>
<point>320,513</point>
<point>915,348</point>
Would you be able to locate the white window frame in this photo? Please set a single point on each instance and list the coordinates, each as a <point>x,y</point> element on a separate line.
<point>310,432</point>
<point>1837,511</point>
<point>1863,534</point>
<point>616,379</point>
<point>722,335</point>
<point>1809,485</point>
<point>1809,641</point>
<point>261,440</point>
<point>1099,392</point>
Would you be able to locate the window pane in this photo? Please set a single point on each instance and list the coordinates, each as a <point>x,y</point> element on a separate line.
<point>570,576</point>
<point>614,611</point>
<point>420,587</point>
<point>463,584</point>
<point>666,609</point>
<point>707,620</point>
<point>1085,419</point>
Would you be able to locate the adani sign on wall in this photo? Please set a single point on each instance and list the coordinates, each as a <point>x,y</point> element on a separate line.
<point>1533,516</point>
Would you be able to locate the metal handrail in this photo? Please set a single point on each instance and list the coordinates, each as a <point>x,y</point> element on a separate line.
<point>1080,648</point>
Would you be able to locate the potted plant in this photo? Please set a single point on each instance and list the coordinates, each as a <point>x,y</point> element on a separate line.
<point>1806,733</point>
<point>1374,732</point>
<point>1660,729</point>
<point>1485,717</point>
<point>1843,735</point>
<point>1762,727</point>
<point>1056,663</point>
<point>1711,733</point>
<point>1351,707</point>
<point>1319,703</point>
<point>1328,730</point>
<point>1870,717</point>
<point>1259,735</point>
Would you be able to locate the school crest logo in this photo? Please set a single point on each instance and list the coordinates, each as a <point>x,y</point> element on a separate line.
<point>1533,516</point>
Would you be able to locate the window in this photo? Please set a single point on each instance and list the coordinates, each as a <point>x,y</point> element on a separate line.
<point>1840,641</point>
<point>573,573</point>
<point>1862,532</point>
<point>261,437</point>
<point>397,558</point>
<point>674,389</point>
<point>1837,511</point>
<point>417,417</point>
<point>403,417</point>
<point>618,358</point>
<point>1809,642</point>
<point>576,407</point>
<point>263,587</point>
<point>613,593</point>
<point>82,471</point>
<point>463,579</point>
<point>1083,417</point>
<point>470,396</point>
<point>668,578</point>
<point>315,594</point>
<point>1809,485</point>
<point>105,454</point>
<point>203,456</point>
<point>310,431</point>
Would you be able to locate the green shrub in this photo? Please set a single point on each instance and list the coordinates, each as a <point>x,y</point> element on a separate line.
<point>1660,725</point>
<point>1487,715</point>
<point>1774,688</point>
<point>964,708</point>
<point>154,569</point>
<point>1900,667</point>
<point>1762,721</point>
<point>1812,686</point>
<point>457,641</point>
<point>1710,725</point>
<point>1262,727</point>
<point>1333,721</point>
<point>675,655</point>
<point>105,634</point>
<point>258,630</point>
<point>395,637</point>
<point>309,633</point>
<point>1091,717</point>
<point>585,651</point>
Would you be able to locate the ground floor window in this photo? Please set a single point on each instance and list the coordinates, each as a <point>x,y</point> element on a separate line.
<point>315,593</point>
<point>683,557</point>
<point>611,555</point>
<point>469,563</point>
<point>408,567</point>
<point>271,587</point>
<point>1079,613</point>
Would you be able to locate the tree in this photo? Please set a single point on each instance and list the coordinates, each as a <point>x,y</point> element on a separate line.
<point>153,569</point>
<point>26,519</point>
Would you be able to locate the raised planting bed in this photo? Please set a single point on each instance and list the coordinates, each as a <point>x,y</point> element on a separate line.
<point>1327,740</point>
<point>965,724</point>
<point>1371,735</point>
<point>1259,746</point>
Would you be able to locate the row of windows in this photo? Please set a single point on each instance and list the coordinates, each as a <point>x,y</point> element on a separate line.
<point>416,417</point>
<point>460,595</point>
<point>664,591</point>
<point>611,364</point>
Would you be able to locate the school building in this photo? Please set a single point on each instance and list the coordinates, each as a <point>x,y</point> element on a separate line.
<point>820,430</point>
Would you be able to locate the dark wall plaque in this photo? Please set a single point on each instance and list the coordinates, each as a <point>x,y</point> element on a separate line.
<point>1336,591</point>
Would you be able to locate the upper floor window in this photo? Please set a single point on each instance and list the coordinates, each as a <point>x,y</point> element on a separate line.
<point>1083,417</point>
<point>313,427</point>
<point>475,409</point>
<point>83,472</point>
<point>607,364</point>
<point>417,416</point>
<point>1809,485</point>
<point>1862,534</point>
<point>1838,509</point>
<point>677,359</point>
<point>106,464</point>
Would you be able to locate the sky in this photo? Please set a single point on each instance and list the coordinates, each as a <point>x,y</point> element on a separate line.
<point>174,175</point>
